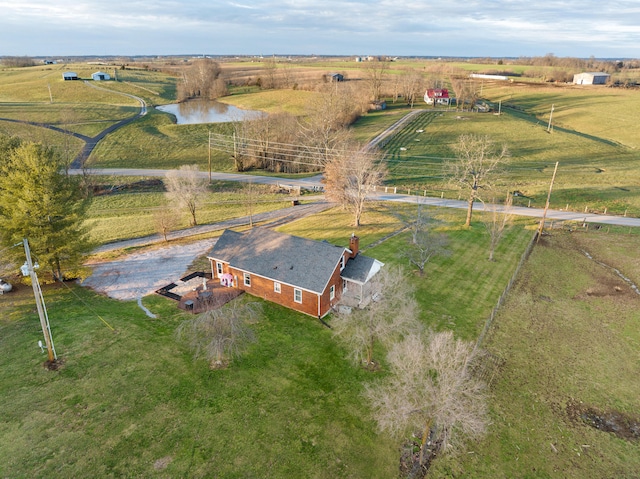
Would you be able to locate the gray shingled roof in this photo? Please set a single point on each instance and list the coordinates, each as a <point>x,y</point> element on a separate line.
<point>359,268</point>
<point>300,262</point>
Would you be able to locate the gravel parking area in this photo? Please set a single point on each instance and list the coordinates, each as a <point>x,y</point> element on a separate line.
<point>140,274</point>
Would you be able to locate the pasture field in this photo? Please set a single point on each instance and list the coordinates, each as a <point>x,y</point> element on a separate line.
<point>594,173</point>
<point>567,351</point>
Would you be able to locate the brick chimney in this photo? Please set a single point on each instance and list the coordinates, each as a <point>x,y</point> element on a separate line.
<point>354,245</point>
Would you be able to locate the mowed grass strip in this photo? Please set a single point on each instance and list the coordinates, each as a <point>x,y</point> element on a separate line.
<point>567,335</point>
<point>135,403</point>
<point>126,215</point>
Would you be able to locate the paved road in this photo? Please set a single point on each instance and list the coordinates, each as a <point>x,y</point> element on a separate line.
<point>559,215</point>
<point>267,219</point>
<point>315,184</point>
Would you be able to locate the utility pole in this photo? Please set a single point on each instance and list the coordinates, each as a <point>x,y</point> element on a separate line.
<point>209,156</point>
<point>42,310</point>
<point>550,117</point>
<point>546,206</point>
<point>50,94</point>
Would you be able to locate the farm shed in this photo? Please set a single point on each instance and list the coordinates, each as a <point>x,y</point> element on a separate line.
<point>98,76</point>
<point>301,274</point>
<point>591,78</point>
<point>69,76</point>
<point>335,76</point>
<point>484,76</point>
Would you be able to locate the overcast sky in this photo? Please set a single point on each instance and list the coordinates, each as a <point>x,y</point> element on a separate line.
<point>603,28</point>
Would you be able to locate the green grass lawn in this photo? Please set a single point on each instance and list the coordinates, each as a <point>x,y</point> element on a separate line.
<point>565,336</point>
<point>130,214</point>
<point>134,402</point>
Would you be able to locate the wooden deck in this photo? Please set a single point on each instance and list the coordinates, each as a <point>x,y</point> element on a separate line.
<point>214,296</point>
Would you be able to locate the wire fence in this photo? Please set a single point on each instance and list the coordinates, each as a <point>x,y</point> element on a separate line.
<point>494,312</point>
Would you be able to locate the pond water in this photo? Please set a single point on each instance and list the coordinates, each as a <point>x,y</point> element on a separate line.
<point>207,111</point>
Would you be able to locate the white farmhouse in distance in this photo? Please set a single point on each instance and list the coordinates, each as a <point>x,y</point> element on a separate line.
<point>98,76</point>
<point>591,78</point>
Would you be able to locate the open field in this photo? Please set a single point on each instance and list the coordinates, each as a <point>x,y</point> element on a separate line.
<point>567,341</point>
<point>594,173</point>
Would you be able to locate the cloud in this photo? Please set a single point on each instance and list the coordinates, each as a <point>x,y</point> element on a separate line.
<point>458,27</point>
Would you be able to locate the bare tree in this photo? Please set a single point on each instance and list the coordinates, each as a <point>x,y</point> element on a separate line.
<point>270,71</point>
<point>476,164</point>
<point>220,334</point>
<point>424,243</point>
<point>387,318</point>
<point>185,187</point>
<point>412,86</point>
<point>165,221</point>
<point>465,92</point>
<point>375,73</point>
<point>202,79</point>
<point>432,389</point>
<point>498,221</point>
<point>351,176</point>
<point>324,129</point>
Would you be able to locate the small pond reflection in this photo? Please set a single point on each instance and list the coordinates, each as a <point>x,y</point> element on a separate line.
<point>207,111</point>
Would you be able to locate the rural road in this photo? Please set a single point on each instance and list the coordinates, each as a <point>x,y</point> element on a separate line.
<point>315,184</point>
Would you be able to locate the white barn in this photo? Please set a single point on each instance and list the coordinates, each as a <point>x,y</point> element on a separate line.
<point>591,78</point>
<point>69,76</point>
<point>98,76</point>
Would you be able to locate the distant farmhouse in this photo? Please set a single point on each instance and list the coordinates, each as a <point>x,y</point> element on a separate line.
<point>98,76</point>
<point>298,273</point>
<point>69,76</point>
<point>591,78</point>
<point>438,95</point>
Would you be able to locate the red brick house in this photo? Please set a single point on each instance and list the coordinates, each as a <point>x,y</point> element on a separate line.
<point>298,273</point>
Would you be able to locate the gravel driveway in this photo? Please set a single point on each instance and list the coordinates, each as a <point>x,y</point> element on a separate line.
<point>139,274</point>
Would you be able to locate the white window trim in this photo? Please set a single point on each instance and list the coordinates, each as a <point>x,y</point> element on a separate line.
<point>332,292</point>
<point>218,267</point>
<point>277,287</point>
<point>343,263</point>
<point>247,280</point>
<point>297,291</point>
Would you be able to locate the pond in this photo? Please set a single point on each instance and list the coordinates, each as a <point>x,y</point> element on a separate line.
<point>207,111</point>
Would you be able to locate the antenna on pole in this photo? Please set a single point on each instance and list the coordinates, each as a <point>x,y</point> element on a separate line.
<point>209,156</point>
<point>28,270</point>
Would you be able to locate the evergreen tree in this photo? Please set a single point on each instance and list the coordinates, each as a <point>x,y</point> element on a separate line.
<point>40,202</point>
